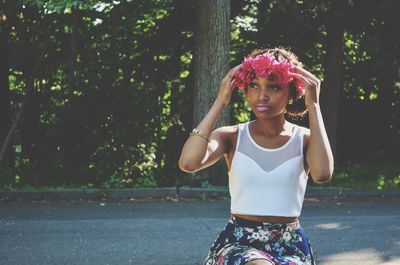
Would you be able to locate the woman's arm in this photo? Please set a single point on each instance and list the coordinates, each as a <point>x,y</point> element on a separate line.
<point>197,152</point>
<point>319,154</point>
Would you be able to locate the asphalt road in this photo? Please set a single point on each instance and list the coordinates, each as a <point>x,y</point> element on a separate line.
<point>180,233</point>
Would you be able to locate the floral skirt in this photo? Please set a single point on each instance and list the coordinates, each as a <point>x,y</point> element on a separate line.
<point>243,241</point>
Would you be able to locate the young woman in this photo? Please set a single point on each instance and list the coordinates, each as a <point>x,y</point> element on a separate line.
<point>269,160</point>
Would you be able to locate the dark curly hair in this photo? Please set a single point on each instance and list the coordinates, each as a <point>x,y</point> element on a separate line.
<point>298,107</point>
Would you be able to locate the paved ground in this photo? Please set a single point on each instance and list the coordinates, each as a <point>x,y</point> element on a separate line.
<point>180,233</point>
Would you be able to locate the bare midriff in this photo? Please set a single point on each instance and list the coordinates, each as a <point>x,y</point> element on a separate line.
<point>268,219</point>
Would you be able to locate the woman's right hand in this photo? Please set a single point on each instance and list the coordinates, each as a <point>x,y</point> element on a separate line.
<point>225,90</point>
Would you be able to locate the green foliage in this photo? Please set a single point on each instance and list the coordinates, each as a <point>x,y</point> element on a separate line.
<point>367,176</point>
<point>7,177</point>
<point>111,103</point>
<point>64,6</point>
<point>104,112</point>
<point>384,182</point>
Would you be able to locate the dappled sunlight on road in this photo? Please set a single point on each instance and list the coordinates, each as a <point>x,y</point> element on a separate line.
<point>353,232</point>
<point>349,233</point>
<point>332,226</point>
<point>367,256</point>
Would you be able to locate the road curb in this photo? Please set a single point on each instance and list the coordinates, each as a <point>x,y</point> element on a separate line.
<point>183,192</point>
<point>85,194</point>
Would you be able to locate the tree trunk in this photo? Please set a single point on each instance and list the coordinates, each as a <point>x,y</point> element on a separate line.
<point>74,47</point>
<point>332,85</point>
<point>5,105</point>
<point>388,130</point>
<point>211,63</point>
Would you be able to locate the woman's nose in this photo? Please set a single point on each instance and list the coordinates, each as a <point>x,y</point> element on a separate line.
<point>264,95</point>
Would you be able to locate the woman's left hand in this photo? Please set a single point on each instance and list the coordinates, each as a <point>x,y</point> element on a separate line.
<point>312,86</point>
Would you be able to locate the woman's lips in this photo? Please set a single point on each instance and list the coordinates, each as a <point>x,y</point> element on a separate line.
<point>262,107</point>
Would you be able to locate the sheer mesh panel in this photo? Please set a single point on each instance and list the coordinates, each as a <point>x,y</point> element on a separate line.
<point>269,159</point>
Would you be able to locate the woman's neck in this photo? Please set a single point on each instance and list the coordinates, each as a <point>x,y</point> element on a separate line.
<point>271,127</point>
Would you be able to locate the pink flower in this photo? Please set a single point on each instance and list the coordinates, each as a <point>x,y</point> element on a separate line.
<point>266,66</point>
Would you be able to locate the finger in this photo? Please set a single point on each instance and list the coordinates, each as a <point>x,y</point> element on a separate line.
<point>231,73</point>
<point>233,84</point>
<point>308,80</point>
<point>234,69</point>
<point>303,78</point>
<point>306,73</point>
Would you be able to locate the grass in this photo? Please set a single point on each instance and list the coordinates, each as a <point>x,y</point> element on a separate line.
<point>351,176</point>
<point>366,177</point>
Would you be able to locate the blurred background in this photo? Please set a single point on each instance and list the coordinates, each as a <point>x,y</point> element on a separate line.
<point>103,94</point>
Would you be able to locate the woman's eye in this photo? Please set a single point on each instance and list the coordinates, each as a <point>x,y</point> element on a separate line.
<point>252,85</point>
<point>276,87</point>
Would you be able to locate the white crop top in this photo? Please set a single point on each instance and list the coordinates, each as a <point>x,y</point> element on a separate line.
<point>267,182</point>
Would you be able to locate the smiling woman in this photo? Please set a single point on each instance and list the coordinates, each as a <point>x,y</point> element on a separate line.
<point>268,158</point>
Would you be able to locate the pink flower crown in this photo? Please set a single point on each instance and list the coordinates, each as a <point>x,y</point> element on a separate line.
<point>265,65</point>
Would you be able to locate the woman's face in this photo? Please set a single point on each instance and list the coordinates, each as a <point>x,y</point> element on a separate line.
<point>267,98</point>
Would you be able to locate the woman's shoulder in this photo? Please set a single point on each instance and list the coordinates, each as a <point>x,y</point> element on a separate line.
<point>305,133</point>
<point>230,129</point>
<point>228,134</point>
<point>304,130</point>
<point>227,130</point>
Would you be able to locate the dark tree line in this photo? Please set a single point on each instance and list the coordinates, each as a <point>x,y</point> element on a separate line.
<point>118,85</point>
